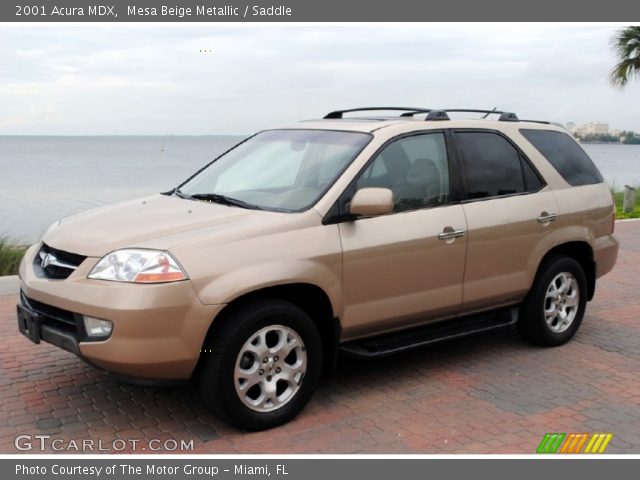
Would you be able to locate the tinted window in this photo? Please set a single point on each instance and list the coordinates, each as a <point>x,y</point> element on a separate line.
<point>532,181</point>
<point>568,158</point>
<point>416,170</point>
<point>492,166</point>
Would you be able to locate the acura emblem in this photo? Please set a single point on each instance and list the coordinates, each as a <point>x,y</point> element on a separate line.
<point>47,260</point>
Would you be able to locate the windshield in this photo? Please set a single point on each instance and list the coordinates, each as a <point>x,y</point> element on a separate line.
<point>278,169</point>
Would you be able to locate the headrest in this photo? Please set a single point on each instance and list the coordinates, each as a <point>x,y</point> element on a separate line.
<point>422,171</point>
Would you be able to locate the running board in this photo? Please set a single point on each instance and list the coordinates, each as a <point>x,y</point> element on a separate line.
<point>413,338</point>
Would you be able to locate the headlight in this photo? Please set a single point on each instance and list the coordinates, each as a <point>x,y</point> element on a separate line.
<point>138,266</point>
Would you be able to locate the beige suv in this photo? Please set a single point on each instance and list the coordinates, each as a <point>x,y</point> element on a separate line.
<point>366,235</point>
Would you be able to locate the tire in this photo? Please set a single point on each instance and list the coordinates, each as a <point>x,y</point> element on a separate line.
<point>554,307</point>
<point>238,385</point>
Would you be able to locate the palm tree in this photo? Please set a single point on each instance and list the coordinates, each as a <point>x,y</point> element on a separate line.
<point>627,48</point>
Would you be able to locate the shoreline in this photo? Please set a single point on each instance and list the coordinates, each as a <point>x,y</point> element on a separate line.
<point>609,143</point>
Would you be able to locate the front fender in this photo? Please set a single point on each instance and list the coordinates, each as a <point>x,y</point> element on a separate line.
<point>221,273</point>
<point>226,288</point>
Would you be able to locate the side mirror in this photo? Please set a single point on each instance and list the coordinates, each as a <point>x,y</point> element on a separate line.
<point>371,202</point>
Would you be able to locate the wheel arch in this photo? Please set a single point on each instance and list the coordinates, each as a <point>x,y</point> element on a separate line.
<point>310,298</point>
<point>582,252</point>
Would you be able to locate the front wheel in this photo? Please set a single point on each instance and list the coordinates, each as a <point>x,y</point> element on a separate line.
<point>553,310</point>
<point>260,368</point>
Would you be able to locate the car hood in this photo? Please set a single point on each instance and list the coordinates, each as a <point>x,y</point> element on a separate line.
<point>158,221</point>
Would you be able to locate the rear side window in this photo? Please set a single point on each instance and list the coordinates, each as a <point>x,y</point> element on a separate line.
<point>493,167</point>
<point>531,180</point>
<point>567,157</point>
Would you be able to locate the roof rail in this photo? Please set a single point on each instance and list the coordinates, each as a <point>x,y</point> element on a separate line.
<point>338,113</point>
<point>504,116</point>
<point>432,114</point>
<point>540,121</point>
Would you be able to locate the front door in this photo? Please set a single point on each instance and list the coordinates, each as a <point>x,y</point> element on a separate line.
<point>407,267</point>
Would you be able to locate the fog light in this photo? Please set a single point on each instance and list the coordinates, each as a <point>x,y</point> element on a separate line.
<point>97,328</point>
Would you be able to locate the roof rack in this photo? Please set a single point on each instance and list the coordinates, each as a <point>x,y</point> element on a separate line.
<point>339,113</point>
<point>543,122</point>
<point>432,114</point>
<point>504,116</point>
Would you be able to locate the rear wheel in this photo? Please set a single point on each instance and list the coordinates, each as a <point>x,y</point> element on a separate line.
<point>553,310</point>
<point>260,368</point>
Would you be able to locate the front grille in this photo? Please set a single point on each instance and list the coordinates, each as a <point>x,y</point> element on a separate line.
<point>56,317</point>
<point>57,264</point>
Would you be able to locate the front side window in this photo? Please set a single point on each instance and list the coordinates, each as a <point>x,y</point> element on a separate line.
<point>493,167</point>
<point>287,170</point>
<point>415,168</point>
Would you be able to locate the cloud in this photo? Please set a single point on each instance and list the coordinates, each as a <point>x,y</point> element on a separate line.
<point>154,79</point>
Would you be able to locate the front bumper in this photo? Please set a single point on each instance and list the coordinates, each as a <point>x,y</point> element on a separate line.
<point>37,326</point>
<point>158,329</point>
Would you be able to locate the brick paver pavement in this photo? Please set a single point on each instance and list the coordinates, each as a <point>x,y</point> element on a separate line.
<point>491,393</point>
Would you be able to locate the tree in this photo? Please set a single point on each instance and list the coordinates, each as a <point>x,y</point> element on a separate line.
<point>626,44</point>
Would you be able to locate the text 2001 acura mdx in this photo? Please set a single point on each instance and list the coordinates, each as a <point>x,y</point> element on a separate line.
<point>371,235</point>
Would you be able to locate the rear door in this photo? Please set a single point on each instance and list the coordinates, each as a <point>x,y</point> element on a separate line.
<point>510,219</point>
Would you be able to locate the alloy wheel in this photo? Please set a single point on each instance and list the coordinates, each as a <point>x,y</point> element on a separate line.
<point>561,302</point>
<point>270,368</point>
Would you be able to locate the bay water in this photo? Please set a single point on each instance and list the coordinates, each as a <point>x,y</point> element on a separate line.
<point>45,178</point>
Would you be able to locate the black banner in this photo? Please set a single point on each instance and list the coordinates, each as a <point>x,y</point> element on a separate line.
<point>316,469</point>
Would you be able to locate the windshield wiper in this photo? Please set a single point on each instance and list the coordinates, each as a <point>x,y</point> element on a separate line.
<point>223,199</point>
<point>178,193</point>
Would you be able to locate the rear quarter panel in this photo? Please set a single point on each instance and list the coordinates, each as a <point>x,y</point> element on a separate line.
<point>584,212</point>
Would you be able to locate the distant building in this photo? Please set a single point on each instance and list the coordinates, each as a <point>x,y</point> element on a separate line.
<point>593,128</point>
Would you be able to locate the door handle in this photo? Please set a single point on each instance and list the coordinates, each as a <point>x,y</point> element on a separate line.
<point>546,217</point>
<point>449,232</point>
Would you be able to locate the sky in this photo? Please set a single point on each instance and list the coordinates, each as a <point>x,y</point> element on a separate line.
<point>236,79</point>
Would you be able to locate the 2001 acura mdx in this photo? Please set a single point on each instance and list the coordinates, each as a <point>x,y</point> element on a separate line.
<point>370,235</point>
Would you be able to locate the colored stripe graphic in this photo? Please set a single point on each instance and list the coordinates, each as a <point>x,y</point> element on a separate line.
<point>570,443</point>
<point>574,442</point>
<point>598,443</point>
<point>543,444</point>
<point>550,443</point>
<point>581,443</point>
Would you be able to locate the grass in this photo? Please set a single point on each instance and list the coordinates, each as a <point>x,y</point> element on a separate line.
<point>619,213</point>
<point>10,255</point>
